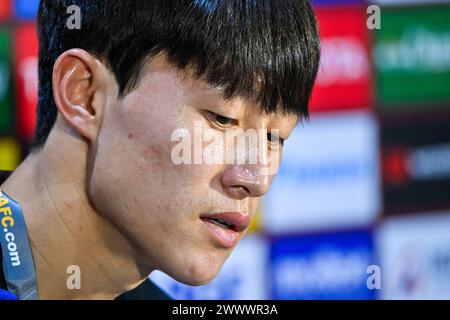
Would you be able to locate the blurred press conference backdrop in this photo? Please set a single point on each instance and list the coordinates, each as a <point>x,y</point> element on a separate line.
<point>361,206</point>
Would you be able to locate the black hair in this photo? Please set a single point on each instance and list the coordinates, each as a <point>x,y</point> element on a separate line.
<point>265,50</point>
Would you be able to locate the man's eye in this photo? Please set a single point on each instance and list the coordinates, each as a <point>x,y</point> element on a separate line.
<point>274,139</point>
<point>222,120</point>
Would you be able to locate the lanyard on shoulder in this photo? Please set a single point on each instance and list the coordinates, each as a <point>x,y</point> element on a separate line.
<point>18,264</point>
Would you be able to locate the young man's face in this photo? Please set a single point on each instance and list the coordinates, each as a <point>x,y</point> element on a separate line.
<point>160,204</point>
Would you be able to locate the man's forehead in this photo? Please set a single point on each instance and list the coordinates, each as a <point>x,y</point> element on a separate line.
<point>215,94</point>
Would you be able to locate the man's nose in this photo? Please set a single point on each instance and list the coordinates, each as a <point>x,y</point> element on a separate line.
<point>242,181</point>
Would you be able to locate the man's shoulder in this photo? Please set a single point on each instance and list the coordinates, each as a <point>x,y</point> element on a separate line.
<point>4,175</point>
<point>145,291</point>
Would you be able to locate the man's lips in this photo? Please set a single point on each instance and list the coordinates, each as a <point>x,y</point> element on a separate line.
<point>225,228</point>
<point>236,221</point>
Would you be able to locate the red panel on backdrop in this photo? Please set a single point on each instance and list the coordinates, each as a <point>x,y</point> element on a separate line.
<point>345,75</point>
<point>5,9</point>
<point>26,59</point>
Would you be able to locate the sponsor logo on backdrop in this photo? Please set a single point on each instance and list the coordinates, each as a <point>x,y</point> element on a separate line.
<point>416,164</point>
<point>418,50</point>
<point>412,58</point>
<point>344,62</point>
<point>415,256</point>
<point>328,266</point>
<point>426,163</point>
<point>344,78</point>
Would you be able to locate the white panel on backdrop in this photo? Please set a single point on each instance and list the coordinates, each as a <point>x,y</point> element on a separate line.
<point>414,254</point>
<point>329,176</point>
<point>243,276</point>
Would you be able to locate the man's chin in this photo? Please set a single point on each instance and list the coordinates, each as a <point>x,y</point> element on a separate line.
<point>195,282</point>
<point>196,279</point>
<point>196,274</point>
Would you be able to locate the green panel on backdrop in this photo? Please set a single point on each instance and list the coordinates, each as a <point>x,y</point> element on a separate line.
<point>412,57</point>
<point>6,94</point>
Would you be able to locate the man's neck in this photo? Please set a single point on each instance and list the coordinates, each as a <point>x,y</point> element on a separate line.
<point>66,231</point>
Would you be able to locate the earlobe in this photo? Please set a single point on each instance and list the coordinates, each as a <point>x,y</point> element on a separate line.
<point>77,80</point>
<point>84,121</point>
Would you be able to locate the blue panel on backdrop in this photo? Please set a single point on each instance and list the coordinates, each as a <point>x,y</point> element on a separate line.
<point>325,266</point>
<point>26,9</point>
<point>338,2</point>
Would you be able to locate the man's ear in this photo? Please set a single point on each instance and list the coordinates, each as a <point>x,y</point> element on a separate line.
<point>79,89</point>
